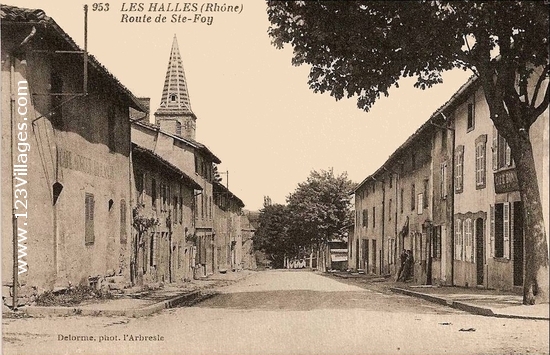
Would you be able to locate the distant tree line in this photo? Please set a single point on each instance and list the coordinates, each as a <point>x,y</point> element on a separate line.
<point>318,210</point>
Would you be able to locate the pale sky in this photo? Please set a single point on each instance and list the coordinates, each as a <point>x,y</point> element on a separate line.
<point>255,110</point>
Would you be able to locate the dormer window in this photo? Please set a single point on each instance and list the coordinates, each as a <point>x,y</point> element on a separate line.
<point>173,97</point>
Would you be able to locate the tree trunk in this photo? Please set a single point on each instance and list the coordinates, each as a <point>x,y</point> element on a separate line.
<point>535,282</point>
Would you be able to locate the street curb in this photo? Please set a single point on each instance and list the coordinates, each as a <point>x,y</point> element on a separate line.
<point>463,306</point>
<point>42,311</point>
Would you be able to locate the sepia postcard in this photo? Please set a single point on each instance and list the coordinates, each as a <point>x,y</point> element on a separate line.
<point>275,177</point>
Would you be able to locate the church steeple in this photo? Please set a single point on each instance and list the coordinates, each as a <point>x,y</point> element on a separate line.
<point>174,114</point>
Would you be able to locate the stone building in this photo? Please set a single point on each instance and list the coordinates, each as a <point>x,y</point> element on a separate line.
<point>452,192</point>
<point>183,154</point>
<point>393,209</point>
<point>66,158</point>
<point>162,248</point>
<point>228,238</point>
<point>488,224</point>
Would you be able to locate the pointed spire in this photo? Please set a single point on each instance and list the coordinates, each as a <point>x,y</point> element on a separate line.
<point>175,96</point>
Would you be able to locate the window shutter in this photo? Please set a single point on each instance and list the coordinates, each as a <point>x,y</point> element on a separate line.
<point>458,239</point>
<point>501,151</point>
<point>495,148</point>
<point>508,155</point>
<point>492,231</point>
<point>506,231</point>
<point>467,235</point>
<point>484,163</point>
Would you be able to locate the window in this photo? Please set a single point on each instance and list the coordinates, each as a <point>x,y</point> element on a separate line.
<point>162,197</point>
<point>154,194</point>
<point>391,181</point>
<point>444,139</point>
<point>500,230</point>
<point>443,182</point>
<point>198,165</point>
<point>426,189</point>
<point>480,161</point>
<point>436,244</point>
<point>56,83</point>
<point>123,233</point>
<point>173,97</point>
<point>210,206</point>
<point>413,198</point>
<point>501,152</point>
<point>389,209</point>
<point>471,117</point>
<point>459,169</point>
<point>374,217</point>
<point>468,240</point>
<point>152,247</point>
<point>175,210</point>
<point>140,179</point>
<point>181,205</point>
<point>111,117</point>
<point>401,198</point>
<point>365,218</point>
<point>202,205</point>
<point>178,128</point>
<point>89,205</point>
<point>420,202</point>
<point>458,239</point>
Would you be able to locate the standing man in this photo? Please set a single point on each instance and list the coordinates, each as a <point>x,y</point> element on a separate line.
<point>403,258</point>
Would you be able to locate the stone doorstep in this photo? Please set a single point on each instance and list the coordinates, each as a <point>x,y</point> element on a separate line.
<point>466,306</point>
<point>41,311</point>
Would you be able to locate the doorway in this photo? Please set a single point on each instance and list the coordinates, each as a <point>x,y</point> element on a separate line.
<point>357,255</point>
<point>518,243</point>
<point>480,254</point>
<point>374,256</point>
<point>365,255</point>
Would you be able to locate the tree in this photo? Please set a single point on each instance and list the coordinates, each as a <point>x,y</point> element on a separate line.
<point>320,208</point>
<point>271,236</point>
<point>362,48</point>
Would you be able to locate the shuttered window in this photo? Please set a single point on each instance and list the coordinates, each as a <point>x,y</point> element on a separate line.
<point>89,205</point>
<point>459,169</point>
<point>413,198</point>
<point>181,205</point>
<point>154,194</point>
<point>492,231</point>
<point>506,229</point>
<point>443,182</point>
<point>499,229</point>
<point>458,239</point>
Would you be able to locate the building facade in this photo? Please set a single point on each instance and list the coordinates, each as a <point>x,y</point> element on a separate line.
<point>68,141</point>
<point>163,223</point>
<point>455,200</point>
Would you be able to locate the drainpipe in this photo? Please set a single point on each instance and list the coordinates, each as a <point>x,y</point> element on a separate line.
<point>452,204</point>
<point>450,195</point>
<point>13,217</point>
<point>383,227</point>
